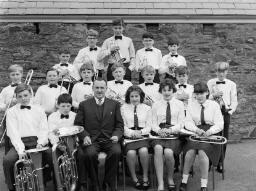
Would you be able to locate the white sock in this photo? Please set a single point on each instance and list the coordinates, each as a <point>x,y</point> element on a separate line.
<point>204,182</point>
<point>185,178</point>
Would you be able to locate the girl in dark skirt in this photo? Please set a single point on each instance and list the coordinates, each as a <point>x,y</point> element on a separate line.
<point>204,118</point>
<point>137,124</point>
<point>168,117</point>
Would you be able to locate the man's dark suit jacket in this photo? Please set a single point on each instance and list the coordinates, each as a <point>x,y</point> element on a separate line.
<point>88,117</point>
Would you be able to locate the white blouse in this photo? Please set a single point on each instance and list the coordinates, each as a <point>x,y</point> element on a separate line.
<point>212,116</point>
<point>144,115</point>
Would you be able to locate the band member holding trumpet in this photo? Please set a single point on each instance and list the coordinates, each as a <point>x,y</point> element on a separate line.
<point>26,127</point>
<point>137,118</point>
<point>118,44</point>
<point>83,90</point>
<point>224,92</point>
<point>90,52</point>
<point>150,88</point>
<point>204,119</point>
<point>148,55</point>
<point>103,129</point>
<point>47,95</point>
<point>7,96</point>
<point>171,60</point>
<point>65,70</point>
<point>118,87</point>
<point>168,117</point>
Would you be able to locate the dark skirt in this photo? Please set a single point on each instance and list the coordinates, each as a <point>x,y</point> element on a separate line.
<point>174,144</point>
<point>213,151</point>
<point>136,145</point>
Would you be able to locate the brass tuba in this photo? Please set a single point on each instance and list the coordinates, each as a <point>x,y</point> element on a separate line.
<point>28,171</point>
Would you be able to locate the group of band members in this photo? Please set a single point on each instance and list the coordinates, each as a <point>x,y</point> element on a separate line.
<point>111,108</point>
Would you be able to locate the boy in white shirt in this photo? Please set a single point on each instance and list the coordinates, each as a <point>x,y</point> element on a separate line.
<point>65,70</point>
<point>47,95</point>
<point>171,60</point>
<point>121,43</point>
<point>224,92</point>
<point>117,88</point>
<point>90,52</point>
<point>150,88</point>
<point>83,90</point>
<point>26,127</point>
<point>148,55</point>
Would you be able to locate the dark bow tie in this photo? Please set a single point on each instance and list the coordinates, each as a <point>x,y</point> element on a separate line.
<point>53,86</point>
<point>119,82</point>
<point>149,84</point>
<point>14,85</point>
<point>118,37</point>
<point>87,83</point>
<point>182,85</point>
<point>64,116</point>
<point>220,82</point>
<point>149,49</point>
<point>174,55</point>
<point>25,107</point>
<point>93,49</point>
<point>64,64</point>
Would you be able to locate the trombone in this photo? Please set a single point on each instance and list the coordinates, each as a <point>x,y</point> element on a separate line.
<point>27,82</point>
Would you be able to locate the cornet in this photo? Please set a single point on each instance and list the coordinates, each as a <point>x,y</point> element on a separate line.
<point>219,99</point>
<point>171,65</point>
<point>27,81</point>
<point>115,54</point>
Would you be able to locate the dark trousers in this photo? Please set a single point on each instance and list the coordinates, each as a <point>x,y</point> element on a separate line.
<point>88,162</point>
<point>226,117</point>
<point>128,73</point>
<point>156,78</point>
<point>12,156</point>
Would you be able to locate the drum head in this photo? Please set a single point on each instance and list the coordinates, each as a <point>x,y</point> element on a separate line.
<point>69,131</point>
<point>35,150</point>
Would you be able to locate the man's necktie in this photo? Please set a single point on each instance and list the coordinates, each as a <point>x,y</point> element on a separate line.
<point>25,107</point>
<point>99,101</point>
<point>220,82</point>
<point>53,86</point>
<point>168,114</point>
<point>119,82</point>
<point>136,121</point>
<point>14,85</point>
<point>149,84</point>
<point>174,55</point>
<point>93,49</point>
<point>182,85</point>
<point>202,115</point>
<point>118,37</point>
<point>87,83</point>
<point>64,116</point>
<point>149,49</point>
<point>64,64</point>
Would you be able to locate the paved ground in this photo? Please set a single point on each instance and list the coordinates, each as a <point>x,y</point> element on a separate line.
<point>240,171</point>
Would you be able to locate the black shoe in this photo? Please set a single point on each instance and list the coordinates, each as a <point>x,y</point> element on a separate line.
<point>219,169</point>
<point>145,185</point>
<point>176,169</point>
<point>183,187</point>
<point>172,187</point>
<point>137,185</point>
<point>204,189</point>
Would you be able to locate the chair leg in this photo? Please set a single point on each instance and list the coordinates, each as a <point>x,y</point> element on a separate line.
<point>213,178</point>
<point>124,175</point>
<point>222,162</point>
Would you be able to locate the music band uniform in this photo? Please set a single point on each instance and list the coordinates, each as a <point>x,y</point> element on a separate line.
<point>100,122</point>
<point>151,90</point>
<point>119,87</point>
<point>26,128</point>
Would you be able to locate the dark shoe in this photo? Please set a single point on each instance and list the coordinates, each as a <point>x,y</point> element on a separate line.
<point>219,169</point>
<point>145,185</point>
<point>137,185</point>
<point>183,187</point>
<point>176,169</point>
<point>204,189</point>
<point>171,187</point>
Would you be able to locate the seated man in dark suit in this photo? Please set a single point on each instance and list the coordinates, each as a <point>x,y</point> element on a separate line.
<point>103,128</point>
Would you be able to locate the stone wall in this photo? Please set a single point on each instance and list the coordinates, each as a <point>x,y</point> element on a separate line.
<point>20,43</point>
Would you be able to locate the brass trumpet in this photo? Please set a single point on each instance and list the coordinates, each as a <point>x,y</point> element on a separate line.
<point>27,81</point>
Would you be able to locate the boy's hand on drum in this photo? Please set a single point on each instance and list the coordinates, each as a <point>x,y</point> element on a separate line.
<point>200,132</point>
<point>207,133</point>
<point>22,156</point>
<point>87,141</point>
